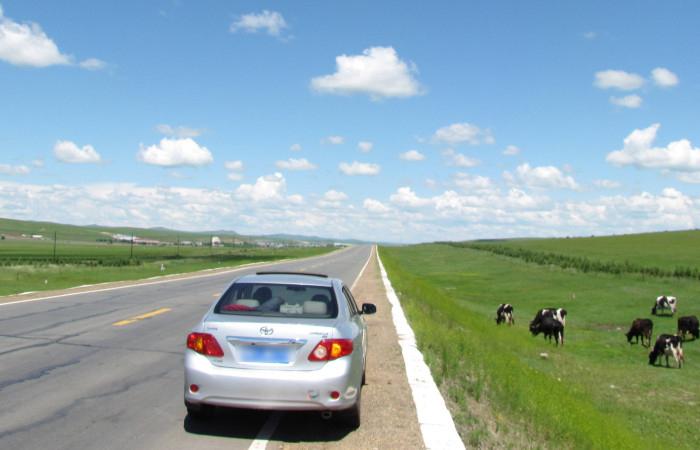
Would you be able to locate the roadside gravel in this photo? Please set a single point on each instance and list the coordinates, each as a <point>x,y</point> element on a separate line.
<point>389,419</point>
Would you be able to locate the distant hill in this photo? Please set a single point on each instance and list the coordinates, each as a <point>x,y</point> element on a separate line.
<point>12,228</point>
<point>298,237</point>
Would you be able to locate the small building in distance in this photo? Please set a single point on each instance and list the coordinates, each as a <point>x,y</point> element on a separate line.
<point>216,241</point>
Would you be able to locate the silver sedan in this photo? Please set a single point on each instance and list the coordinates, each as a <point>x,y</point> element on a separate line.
<point>280,341</point>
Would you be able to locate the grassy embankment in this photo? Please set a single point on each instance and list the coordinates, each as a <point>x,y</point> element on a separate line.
<point>30,265</point>
<point>595,392</point>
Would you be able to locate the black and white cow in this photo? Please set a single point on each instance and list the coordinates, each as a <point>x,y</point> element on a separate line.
<point>640,328</point>
<point>688,324</point>
<point>504,313</point>
<point>550,327</point>
<point>668,345</point>
<point>664,303</point>
<point>556,313</point>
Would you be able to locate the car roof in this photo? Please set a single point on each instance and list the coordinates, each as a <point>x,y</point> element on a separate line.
<point>288,278</point>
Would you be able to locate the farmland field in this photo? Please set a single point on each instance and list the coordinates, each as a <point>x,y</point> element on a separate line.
<point>77,258</point>
<point>509,389</point>
<point>664,250</point>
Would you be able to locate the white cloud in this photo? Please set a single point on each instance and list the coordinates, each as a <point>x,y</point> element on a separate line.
<point>628,101</point>
<point>590,35</point>
<point>295,199</point>
<point>176,152</point>
<point>38,163</point>
<point>638,151</point>
<point>618,79</point>
<point>295,164</point>
<point>378,72</point>
<point>405,196</point>
<point>266,188</point>
<point>333,140</point>
<point>334,196</point>
<point>235,176</point>
<point>26,44</point>
<point>459,133</point>
<point>235,166</point>
<point>295,147</point>
<point>264,207</point>
<point>607,184</point>
<point>470,182</point>
<point>271,22</point>
<point>459,159</point>
<point>511,150</point>
<point>365,146</point>
<point>69,152</point>
<point>93,64</point>
<point>412,155</point>
<point>358,168</point>
<point>375,206</point>
<point>541,177</point>
<point>179,132</point>
<point>664,77</point>
<point>7,169</point>
<point>332,199</point>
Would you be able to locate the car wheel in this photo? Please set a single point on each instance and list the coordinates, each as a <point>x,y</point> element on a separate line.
<point>351,417</point>
<point>198,411</point>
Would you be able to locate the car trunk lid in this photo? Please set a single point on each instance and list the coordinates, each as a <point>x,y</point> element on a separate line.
<point>269,343</point>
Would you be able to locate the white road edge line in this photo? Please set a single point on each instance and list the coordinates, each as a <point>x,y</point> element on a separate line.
<point>170,280</point>
<point>371,252</point>
<point>265,433</point>
<point>261,440</point>
<point>436,424</point>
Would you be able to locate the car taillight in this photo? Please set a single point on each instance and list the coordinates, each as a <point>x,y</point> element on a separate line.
<point>329,349</point>
<point>205,344</point>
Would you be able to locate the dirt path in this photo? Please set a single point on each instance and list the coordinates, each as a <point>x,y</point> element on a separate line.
<point>389,418</point>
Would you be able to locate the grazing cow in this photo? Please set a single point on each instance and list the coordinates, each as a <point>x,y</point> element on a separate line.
<point>688,324</point>
<point>556,313</point>
<point>504,313</point>
<point>640,328</point>
<point>668,345</point>
<point>550,327</point>
<point>663,303</point>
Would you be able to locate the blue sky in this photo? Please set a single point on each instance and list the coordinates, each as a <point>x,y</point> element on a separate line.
<point>398,121</point>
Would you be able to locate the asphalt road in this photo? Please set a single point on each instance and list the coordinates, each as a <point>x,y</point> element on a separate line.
<point>72,379</point>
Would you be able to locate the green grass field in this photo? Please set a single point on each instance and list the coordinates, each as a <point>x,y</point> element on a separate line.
<point>19,278</point>
<point>80,255</point>
<point>665,250</point>
<point>597,391</point>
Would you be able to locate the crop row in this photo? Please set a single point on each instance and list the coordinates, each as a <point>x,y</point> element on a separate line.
<point>581,263</point>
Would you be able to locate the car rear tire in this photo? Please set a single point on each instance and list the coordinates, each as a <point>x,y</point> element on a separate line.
<point>198,411</point>
<point>351,417</point>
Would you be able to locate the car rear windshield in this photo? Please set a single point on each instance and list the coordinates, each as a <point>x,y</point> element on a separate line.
<point>278,300</point>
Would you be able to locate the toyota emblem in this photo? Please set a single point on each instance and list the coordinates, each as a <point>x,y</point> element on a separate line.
<point>266,331</point>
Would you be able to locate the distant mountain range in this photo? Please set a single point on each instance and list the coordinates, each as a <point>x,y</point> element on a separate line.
<point>91,233</point>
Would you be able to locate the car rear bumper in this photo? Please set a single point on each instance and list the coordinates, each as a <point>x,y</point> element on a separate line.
<point>271,389</point>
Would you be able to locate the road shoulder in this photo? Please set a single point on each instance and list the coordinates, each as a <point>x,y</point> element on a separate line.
<point>389,418</point>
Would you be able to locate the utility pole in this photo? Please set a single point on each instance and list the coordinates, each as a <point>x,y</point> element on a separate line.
<point>211,244</point>
<point>54,246</point>
<point>131,254</point>
<point>178,245</point>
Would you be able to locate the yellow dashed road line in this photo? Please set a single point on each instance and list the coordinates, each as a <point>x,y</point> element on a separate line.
<point>147,315</point>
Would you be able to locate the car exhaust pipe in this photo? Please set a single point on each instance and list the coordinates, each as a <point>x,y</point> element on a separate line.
<point>326,415</point>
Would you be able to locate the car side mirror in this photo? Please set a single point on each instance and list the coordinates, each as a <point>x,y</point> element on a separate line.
<point>369,308</point>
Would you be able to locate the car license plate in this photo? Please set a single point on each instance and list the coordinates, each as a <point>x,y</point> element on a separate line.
<point>265,354</point>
